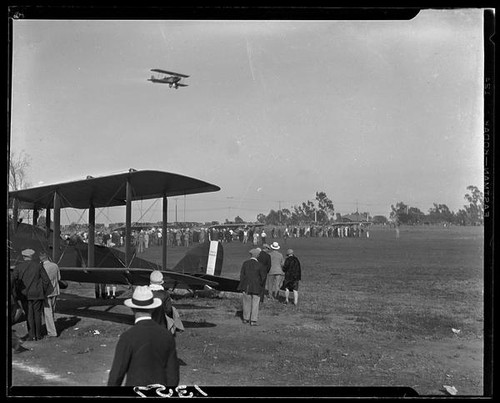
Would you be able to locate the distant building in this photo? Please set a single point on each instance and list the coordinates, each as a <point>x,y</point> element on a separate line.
<point>355,217</point>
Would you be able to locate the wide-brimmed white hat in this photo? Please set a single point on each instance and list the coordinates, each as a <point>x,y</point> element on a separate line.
<point>156,277</point>
<point>275,245</point>
<point>143,299</point>
<point>28,252</point>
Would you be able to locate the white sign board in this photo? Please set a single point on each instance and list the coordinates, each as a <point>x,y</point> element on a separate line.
<point>212,257</point>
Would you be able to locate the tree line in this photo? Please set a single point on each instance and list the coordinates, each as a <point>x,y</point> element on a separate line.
<point>321,210</point>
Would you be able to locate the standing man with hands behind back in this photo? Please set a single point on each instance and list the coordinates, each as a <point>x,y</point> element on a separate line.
<point>31,285</point>
<point>252,276</point>
<point>49,305</point>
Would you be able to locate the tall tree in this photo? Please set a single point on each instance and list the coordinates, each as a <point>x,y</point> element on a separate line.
<point>399,213</point>
<point>18,172</point>
<point>261,218</point>
<point>475,209</point>
<point>440,213</point>
<point>325,208</point>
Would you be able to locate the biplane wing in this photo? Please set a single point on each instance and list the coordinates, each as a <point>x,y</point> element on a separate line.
<point>110,191</point>
<point>108,265</point>
<point>170,73</point>
<point>132,276</point>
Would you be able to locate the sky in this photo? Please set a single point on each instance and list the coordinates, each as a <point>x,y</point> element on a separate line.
<point>370,112</point>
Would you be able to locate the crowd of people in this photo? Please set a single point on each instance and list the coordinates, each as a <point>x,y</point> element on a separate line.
<point>146,353</point>
<point>257,235</point>
<point>263,275</point>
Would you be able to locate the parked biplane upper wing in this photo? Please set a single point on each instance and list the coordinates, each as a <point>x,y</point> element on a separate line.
<point>110,191</point>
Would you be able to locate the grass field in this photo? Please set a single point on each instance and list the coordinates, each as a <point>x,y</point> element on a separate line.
<point>388,304</point>
<point>423,283</point>
<point>375,311</point>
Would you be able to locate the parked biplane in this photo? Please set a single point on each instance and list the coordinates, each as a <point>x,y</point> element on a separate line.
<point>167,77</point>
<point>91,263</point>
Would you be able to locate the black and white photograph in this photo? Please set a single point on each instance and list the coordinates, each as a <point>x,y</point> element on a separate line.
<point>249,202</point>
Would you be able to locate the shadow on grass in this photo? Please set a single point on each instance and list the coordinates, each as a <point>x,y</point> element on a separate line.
<point>77,306</point>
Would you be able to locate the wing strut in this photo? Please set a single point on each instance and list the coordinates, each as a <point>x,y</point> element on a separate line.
<point>164,234</point>
<point>128,220</point>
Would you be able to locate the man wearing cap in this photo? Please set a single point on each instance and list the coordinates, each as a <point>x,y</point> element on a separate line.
<point>275,275</point>
<point>49,305</point>
<point>31,285</point>
<point>156,287</point>
<point>146,353</point>
<point>251,280</point>
<point>292,276</point>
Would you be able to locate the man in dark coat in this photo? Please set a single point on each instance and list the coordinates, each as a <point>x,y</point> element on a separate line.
<point>252,276</point>
<point>265,260</point>
<point>31,285</point>
<point>146,353</point>
<point>156,287</point>
<point>292,270</point>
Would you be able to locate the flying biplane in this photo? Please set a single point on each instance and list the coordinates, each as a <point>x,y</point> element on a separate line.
<point>91,263</point>
<point>167,77</point>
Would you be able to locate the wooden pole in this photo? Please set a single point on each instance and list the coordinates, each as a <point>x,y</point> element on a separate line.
<point>57,228</point>
<point>35,216</point>
<point>128,221</point>
<point>91,238</point>
<point>47,222</point>
<point>164,234</point>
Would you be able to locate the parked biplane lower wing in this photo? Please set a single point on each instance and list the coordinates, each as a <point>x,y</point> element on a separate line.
<point>110,263</point>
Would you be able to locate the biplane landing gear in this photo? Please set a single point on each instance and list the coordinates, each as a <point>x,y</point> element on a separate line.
<point>100,291</point>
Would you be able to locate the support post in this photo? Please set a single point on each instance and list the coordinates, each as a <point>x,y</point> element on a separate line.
<point>91,238</point>
<point>57,228</point>
<point>47,222</point>
<point>164,234</point>
<point>35,216</point>
<point>128,221</point>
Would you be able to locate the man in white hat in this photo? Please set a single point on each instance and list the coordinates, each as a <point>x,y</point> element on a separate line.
<point>276,274</point>
<point>146,353</point>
